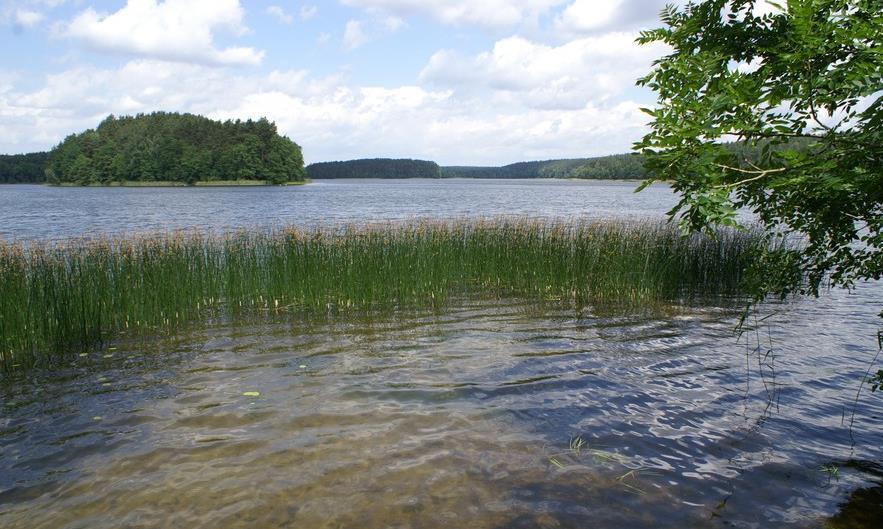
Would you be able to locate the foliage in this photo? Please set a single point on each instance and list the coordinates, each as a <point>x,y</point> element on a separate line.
<point>803,83</point>
<point>176,148</point>
<point>23,168</point>
<point>612,167</point>
<point>621,166</point>
<point>61,297</point>
<point>374,168</point>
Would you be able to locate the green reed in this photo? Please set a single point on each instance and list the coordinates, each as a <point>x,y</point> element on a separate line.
<point>63,297</point>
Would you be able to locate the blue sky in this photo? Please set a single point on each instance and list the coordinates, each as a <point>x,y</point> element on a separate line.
<point>457,81</point>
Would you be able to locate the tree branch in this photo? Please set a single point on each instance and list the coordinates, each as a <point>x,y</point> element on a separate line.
<point>760,173</point>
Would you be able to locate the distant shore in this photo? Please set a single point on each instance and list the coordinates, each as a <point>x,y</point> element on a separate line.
<point>262,183</point>
<point>161,183</point>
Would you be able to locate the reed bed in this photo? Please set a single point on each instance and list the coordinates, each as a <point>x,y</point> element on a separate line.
<point>62,297</point>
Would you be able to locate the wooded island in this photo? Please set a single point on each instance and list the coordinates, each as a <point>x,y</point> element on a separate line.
<point>178,148</point>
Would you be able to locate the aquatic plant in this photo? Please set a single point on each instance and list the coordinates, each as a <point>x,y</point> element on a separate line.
<point>64,297</point>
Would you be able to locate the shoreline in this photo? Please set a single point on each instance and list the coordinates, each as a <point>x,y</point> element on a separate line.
<point>164,183</point>
<point>261,183</point>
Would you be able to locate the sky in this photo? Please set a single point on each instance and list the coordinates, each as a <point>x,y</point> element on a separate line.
<point>461,82</point>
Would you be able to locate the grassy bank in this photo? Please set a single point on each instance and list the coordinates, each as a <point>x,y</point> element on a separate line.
<point>62,297</point>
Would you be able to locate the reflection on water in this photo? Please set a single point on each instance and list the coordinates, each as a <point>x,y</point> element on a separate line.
<point>862,509</point>
<point>488,415</point>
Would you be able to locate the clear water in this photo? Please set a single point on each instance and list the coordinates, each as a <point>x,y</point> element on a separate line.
<point>487,414</point>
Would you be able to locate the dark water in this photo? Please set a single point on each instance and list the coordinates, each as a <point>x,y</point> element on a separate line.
<point>29,212</point>
<point>489,414</point>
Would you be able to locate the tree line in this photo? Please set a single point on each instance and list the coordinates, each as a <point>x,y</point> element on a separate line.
<point>187,148</point>
<point>23,168</point>
<point>612,167</point>
<point>619,166</point>
<point>375,168</point>
<point>172,147</point>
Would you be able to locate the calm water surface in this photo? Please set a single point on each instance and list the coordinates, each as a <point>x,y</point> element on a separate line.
<point>40,212</point>
<point>488,414</point>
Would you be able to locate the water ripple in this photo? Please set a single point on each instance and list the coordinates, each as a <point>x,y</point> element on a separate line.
<point>488,415</point>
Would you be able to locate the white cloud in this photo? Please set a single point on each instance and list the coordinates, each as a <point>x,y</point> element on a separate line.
<point>588,15</point>
<point>357,33</point>
<point>493,14</point>
<point>308,11</point>
<point>393,23</point>
<point>411,121</point>
<point>354,36</point>
<point>176,30</point>
<point>27,18</point>
<point>280,14</point>
<point>542,76</point>
<point>519,99</point>
<point>25,14</point>
<point>328,117</point>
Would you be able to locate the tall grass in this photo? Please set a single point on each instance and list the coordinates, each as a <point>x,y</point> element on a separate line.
<point>61,297</point>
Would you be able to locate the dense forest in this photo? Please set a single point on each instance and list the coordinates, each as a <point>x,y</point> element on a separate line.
<point>23,168</point>
<point>170,147</point>
<point>374,168</point>
<point>620,166</point>
<point>612,167</point>
<point>186,148</point>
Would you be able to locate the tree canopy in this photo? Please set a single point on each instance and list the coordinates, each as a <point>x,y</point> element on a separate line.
<point>803,83</point>
<point>618,166</point>
<point>23,168</point>
<point>375,168</point>
<point>175,147</point>
<point>611,167</point>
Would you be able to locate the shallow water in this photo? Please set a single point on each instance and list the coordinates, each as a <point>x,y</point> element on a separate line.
<point>487,414</point>
<point>471,417</point>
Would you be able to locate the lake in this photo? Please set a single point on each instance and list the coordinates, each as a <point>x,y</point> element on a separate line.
<point>40,212</point>
<point>487,413</point>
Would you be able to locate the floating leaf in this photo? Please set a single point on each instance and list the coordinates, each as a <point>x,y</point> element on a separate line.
<point>251,394</point>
